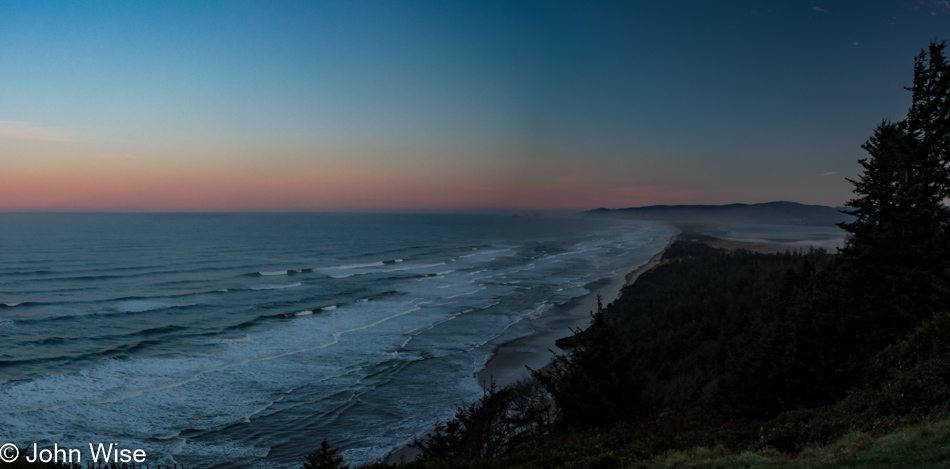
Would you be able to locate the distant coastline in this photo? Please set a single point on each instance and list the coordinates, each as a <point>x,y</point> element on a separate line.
<point>690,217</point>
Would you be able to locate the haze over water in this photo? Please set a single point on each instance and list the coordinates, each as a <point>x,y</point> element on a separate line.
<point>248,338</point>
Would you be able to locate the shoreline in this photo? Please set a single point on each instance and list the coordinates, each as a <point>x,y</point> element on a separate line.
<point>509,359</point>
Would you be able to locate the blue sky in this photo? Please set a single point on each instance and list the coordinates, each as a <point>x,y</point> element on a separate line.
<point>399,105</point>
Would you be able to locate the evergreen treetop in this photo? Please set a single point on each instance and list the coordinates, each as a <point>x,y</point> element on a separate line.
<point>324,458</point>
<point>900,238</point>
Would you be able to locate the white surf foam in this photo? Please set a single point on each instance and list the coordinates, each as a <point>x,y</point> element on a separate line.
<point>353,266</point>
<point>283,272</point>
<point>275,287</point>
<point>138,306</point>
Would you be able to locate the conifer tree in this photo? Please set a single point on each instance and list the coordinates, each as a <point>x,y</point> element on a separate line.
<point>929,118</point>
<point>907,175</point>
<point>928,124</point>
<point>595,384</point>
<point>899,244</point>
<point>324,458</point>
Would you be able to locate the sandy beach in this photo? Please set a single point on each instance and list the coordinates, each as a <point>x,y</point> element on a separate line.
<point>508,361</point>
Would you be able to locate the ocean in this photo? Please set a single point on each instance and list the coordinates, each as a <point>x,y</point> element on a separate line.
<point>245,339</point>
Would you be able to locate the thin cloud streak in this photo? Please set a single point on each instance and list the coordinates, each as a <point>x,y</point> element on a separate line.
<point>828,174</point>
<point>16,130</point>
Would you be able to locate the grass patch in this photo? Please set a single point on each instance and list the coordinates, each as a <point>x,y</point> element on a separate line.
<point>923,446</point>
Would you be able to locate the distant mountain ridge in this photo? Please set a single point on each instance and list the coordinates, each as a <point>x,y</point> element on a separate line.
<point>778,213</point>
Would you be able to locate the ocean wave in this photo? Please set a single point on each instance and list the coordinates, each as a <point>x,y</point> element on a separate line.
<point>256,320</point>
<point>116,306</point>
<point>22,303</point>
<point>103,314</point>
<point>162,330</point>
<point>243,338</point>
<point>276,287</point>
<point>122,351</point>
<point>466,293</point>
<point>112,272</point>
<point>282,272</point>
<point>277,272</point>
<point>342,276</point>
<point>307,312</point>
<point>116,337</point>
<point>14,273</point>
<point>140,306</point>
<point>484,255</point>
<point>353,266</point>
<point>407,268</point>
<point>109,299</point>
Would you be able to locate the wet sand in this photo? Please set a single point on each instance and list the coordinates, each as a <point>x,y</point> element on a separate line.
<point>509,360</point>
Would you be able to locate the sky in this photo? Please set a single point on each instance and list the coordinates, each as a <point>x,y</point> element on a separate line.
<point>367,106</point>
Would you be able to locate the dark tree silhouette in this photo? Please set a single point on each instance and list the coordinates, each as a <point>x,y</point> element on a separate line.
<point>595,385</point>
<point>899,244</point>
<point>324,458</point>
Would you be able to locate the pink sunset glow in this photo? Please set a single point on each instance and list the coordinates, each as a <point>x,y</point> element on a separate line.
<point>136,187</point>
